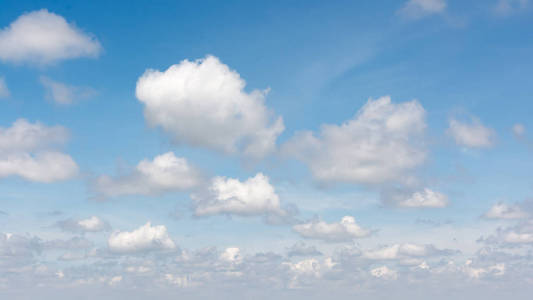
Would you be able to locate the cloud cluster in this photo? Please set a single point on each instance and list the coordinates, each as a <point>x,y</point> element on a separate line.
<point>164,173</point>
<point>203,103</point>
<point>142,239</point>
<point>42,37</point>
<point>382,143</point>
<point>345,230</point>
<point>253,197</point>
<point>27,150</point>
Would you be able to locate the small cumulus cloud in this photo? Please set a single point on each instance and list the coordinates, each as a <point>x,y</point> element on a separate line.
<point>163,174</point>
<point>471,134</point>
<point>345,230</point>
<point>42,38</point>
<point>28,150</point>
<point>143,239</point>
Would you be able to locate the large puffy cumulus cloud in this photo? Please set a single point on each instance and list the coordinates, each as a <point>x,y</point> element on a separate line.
<point>203,103</point>
<point>380,144</point>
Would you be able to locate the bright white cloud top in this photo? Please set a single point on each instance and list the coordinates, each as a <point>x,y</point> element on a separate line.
<point>203,103</point>
<point>142,239</point>
<point>255,196</point>
<point>164,173</point>
<point>345,230</point>
<point>28,150</point>
<point>382,143</point>
<point>42,37</point>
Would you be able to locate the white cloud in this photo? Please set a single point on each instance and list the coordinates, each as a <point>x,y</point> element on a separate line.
<point>42,37</point>
<point>384,273</point>
<point>426,198</point>
<point>406,250</point>
<point>255,196</point>
<point>92,224</point>
<point>145,238</point>
<point>231,255</point>
<point>165,173</point>
<point>416,9</point>
<point>345,230</point>
<point>504,211</point>
<point>203,103</point>
<point>4,91</point>
<point>381,143</point>
<point>508,7</point>
<point>472,134</point>
<point>26,150</point>
<point>62,93</point>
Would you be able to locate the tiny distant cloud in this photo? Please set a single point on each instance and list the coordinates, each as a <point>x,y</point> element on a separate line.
<point>504,8</point>
<point>417,9</point>
<point>91,224</point>
<point>519,130</point>
<point>64,94</point>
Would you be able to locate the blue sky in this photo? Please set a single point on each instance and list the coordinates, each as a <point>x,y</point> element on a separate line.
<point>283,148</point>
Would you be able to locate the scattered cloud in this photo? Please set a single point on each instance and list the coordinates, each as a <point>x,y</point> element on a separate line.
<point>27,150</point>
<point>345,230</point>
<point>406,250</point>
<point>425,198</point>
<point>42,37</point>
<point>504,8</point>
<point>417,9</point>
<point>64,94</point>
<point>253,197</point>
<point>165,173</point>
<point>203,103</point>
<point>91,224</point>
<point>506,212</point>
<point>471,134</point>
<point>145,238</point>
<point>383,142</point>
<point>4,91</point>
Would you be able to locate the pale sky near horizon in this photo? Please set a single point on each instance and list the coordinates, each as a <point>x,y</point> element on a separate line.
<point>266,149</point>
